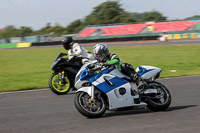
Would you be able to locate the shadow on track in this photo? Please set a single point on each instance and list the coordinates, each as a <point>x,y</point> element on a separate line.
<point>143,111</point>
<point>180,107</point>
<point>69,93</point>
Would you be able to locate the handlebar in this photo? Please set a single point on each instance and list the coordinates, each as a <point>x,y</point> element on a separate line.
<point>95,67</point>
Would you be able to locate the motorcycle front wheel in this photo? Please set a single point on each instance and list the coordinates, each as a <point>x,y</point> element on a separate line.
<point>160,101</point>
<point>89,108</point>
<point>57,86</point>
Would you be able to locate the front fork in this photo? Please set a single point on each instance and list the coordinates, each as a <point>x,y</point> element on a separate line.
<point>62,76</point>
<point>92,93</point>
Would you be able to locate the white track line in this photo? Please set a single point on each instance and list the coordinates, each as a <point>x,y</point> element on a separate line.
<point>180,77</point>
<point>25,91</point>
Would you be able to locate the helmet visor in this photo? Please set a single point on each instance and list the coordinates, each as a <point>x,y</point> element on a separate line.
<point>99,57</point>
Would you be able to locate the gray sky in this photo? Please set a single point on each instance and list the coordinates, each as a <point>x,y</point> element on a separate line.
<point>37,13</point>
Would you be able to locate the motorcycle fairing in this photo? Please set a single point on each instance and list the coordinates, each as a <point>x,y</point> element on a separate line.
<point>60,55</point>
<point>148,71</point>
<point>58,58</point>
<point>103,83</point>
<point>90,77</point>
<point>116,100</point>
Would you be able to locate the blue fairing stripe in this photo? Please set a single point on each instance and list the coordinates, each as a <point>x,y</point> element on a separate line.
<point>105,87</point>
<point>127,79</point>
<point>94,77</point>
<point>90,77</point>
<point>83,74</point>
<point>106,71</point>
<point>144,70</point>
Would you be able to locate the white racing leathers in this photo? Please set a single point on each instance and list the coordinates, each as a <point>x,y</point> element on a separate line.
<point>78,50</point>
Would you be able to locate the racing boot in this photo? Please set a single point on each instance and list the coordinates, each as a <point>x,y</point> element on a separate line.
<point>138,80</point>
<point>140,83</point>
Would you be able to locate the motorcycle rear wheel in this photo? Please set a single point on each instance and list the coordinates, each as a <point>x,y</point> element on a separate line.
<point>57,86</point>
<point>88,108</point>
<point>161,101</point>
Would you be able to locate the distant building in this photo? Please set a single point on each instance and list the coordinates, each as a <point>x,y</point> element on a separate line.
<point>1,30</point>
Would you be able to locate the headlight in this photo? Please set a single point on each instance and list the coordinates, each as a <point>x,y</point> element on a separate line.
<point>87,84</point>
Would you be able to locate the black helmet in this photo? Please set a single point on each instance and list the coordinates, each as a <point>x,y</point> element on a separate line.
<point>67,42</point>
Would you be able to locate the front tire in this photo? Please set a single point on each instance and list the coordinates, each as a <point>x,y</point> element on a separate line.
<point>161,101</point>
<point>57,86</point>
<point>88,108</point>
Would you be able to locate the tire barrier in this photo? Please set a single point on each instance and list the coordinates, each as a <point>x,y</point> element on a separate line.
<point>183,36</point>
<point>9,45</point>
<point>23,45</point>
<point>96,40</point>
<point>46,43</point>
<point>117,39</point>
<point>15,45</point>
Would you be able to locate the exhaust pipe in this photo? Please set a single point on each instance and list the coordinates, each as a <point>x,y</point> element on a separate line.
<point>151,91</point>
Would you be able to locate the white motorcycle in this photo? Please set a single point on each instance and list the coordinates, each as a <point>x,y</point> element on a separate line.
<point>101,89</point>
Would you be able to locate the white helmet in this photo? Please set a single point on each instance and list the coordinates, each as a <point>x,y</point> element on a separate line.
<point>100,52</point>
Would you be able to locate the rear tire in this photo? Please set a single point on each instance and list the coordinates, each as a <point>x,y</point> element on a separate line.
<point>161,101</point>
<point>57,87</point>
<point>88,108</point>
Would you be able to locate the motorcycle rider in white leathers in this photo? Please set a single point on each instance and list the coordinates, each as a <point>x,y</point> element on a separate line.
<point>75,49</point>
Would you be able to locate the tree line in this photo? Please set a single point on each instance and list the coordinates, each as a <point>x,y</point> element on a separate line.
<point>110,12</point>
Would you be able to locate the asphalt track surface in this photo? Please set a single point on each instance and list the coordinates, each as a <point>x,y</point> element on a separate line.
<point>41,111</point>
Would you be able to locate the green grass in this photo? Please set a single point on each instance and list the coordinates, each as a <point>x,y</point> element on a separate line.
<point>22,69</point>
